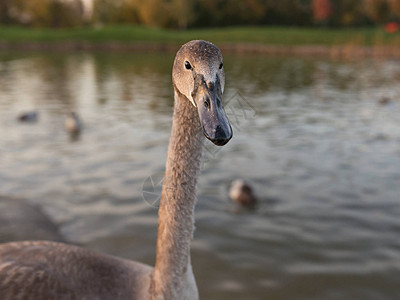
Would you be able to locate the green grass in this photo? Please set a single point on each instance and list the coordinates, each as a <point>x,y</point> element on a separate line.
<point>259,35</point>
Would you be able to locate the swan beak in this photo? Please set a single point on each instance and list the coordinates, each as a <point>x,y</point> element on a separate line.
<point>215,124</point>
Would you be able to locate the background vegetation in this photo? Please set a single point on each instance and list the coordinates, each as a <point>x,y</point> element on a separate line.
<point>182,14</point>
<point>270,35</point>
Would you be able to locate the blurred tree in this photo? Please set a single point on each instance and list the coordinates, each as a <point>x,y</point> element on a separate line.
<point>186,13</point>
<point>87,6</point>
<point>4,11</point>
<point>153,13</point>
<point>207,12</point>
<point>106,11</point>
<point>377,10</point>
<point>394,7</point>
<point>128,12</point>
<point>253,12</point>
<point>66,13</point>
<point>181,13</point>
<point>34,12</point>
<point>322,11</point>
<point>289,12</point>
<point>351,13</point>
<point>51,13</point>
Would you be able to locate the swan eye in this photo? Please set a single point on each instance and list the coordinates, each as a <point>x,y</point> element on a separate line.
<point>207,103</point>
<point>221,65</point>
<point>187,65</point>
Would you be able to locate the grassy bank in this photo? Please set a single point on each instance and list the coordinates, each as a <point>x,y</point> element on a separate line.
<point>336,43</point>
<point>254,35</point>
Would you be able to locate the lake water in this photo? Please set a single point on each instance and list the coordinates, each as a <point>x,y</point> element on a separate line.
<point>310,135</point>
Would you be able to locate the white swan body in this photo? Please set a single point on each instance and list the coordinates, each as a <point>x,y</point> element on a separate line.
<point>47,270</point>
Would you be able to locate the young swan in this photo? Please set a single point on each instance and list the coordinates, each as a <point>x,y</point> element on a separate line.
<point>47,270</point>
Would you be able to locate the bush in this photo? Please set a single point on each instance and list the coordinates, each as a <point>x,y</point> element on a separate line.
<point>49,13</point>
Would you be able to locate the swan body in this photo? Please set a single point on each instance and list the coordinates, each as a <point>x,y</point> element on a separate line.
<point>20,220</point>
<point>50,270</point>
<point>46,270</point>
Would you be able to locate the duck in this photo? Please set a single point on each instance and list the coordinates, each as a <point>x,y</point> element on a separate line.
<point>28,117</point>
<point>48,270</point>
<point>242,194</point>
<point>383,100</point>
<point>73,124</point>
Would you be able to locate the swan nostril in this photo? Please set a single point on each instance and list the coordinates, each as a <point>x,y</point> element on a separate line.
<point>219,131</point>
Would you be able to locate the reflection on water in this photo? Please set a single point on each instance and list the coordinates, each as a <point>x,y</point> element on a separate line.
<point>321,151</point>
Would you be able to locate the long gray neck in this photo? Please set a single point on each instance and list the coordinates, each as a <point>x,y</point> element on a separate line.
<point>176,214</point>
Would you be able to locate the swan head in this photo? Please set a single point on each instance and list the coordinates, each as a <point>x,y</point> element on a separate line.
<point>198,74</point>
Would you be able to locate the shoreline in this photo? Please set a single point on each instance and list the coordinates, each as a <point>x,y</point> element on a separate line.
<point>342,51</point>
